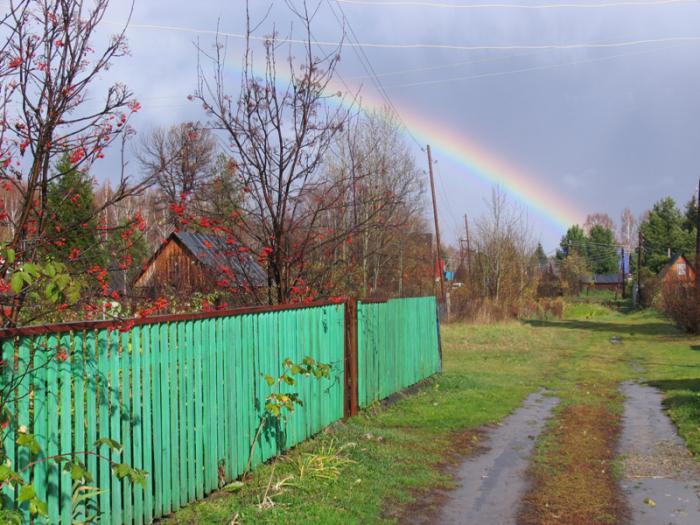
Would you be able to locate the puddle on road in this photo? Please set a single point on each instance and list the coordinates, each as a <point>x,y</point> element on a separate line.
<point>660,478</point>
<point>493,482</point>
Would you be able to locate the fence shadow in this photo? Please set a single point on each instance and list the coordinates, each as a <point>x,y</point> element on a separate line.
<point>647,328</point>
<point>680,394</point>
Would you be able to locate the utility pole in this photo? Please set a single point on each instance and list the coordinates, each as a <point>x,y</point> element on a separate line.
<point>469,247</point>
<point>437,227</point>
<point>697,248</point>
<point>639,266</point>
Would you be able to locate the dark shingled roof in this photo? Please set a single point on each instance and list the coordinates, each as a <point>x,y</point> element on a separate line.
<point>602,279</point>
<point>607,279</point>
<point>217,252</point>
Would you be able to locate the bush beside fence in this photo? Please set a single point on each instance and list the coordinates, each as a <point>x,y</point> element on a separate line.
<point>185,396</point>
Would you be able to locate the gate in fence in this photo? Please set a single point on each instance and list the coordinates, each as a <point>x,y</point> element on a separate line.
<point>185,394</point>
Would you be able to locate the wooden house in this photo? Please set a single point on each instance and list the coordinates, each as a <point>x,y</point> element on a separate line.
<point>612,282</point>
<point>678,269</point>
<point>190,262</point>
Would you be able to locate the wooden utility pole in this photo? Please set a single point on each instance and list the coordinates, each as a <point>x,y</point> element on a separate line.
<point>639,266</point>
<point>469,247</point>
<point>697,247</point>
<point>437,227</point>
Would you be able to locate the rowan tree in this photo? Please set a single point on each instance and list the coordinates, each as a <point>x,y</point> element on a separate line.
<point>48,63</point>
<point>278,134</point>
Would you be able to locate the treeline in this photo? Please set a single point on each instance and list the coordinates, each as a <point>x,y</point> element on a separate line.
<point>508,275</point>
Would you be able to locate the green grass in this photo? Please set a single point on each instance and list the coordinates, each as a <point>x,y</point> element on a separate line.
<point>389,455</point>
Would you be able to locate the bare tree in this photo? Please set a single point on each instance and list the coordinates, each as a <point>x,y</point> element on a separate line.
<point>628,230</point>
<point>279,138</point>
<point>180,160</point>
<point>598,219</point>
<point>385,203</point>
<point>47,65</point>
<point>504,245</point>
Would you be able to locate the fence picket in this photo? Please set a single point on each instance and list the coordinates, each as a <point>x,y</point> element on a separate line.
<point>173,399</point>
<point>40,364</point>
<point>66,431</point>
<point>147,422</point>
<point>23,398</point>
<point>126,423</point>
<point>137,419</point>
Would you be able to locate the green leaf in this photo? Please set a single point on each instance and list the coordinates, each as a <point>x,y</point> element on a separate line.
<point>17,282</point>
<point>10,517</point>
<point>27,440</point>
<point>63,281</point>
<point>296,369</point>
<point>113,445</point>
<point>270,380</point>
<point>138,477</point>
<point>78,472</point>
<point>308,361</point>
<point>10,256</point>
<point>289,380</point>
<point>30,269</point>
<point>26,493</point>
<point>36,506</point>
<point>121,470</point>
<point>50,270</point>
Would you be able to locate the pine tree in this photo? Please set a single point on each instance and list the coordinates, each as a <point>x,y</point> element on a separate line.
<point>664,232</point>
<point>71,222</point>
<point>540,256</point>
<point>601,251</point>
<point>574,241</point>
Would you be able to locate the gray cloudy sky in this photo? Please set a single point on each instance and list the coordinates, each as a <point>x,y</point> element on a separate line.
<point>602,128</point>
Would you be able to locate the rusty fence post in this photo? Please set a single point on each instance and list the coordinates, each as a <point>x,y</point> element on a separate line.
<point>351,393</point>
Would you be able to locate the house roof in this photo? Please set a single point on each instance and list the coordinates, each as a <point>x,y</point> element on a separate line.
<point>216,252</point>
<point>602,279</point>
<point>673,261</point>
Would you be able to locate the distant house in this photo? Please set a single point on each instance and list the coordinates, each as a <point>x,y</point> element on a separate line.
<point>190,262</point>
<point>611,282</point>
<point>678,269</point>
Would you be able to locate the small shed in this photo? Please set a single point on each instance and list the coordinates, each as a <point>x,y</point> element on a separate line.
<point>678,269</point>
<point>190,262</point>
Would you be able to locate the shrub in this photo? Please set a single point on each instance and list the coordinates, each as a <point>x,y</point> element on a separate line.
<point>679,301</point>
<point>650,286</point>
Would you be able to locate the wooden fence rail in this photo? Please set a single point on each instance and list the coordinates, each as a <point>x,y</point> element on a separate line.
<point>184,395</point>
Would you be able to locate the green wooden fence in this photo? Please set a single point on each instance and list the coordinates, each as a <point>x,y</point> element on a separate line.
<point>184,395</point>
<point>397,346</point>
<point>184,398</point>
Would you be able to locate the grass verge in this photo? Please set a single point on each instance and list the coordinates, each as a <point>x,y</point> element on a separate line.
<point>381,464</point>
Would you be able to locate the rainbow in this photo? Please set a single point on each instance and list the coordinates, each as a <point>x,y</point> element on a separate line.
<point>473,159</point>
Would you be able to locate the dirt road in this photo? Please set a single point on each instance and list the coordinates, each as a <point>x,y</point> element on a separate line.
<point>660,478</point>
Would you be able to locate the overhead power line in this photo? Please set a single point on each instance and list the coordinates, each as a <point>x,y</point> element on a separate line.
<point>453,47</point>
<point>369,69</point>
<point>528,69</point>
<point>579,5</point>
<point>448,65</point>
